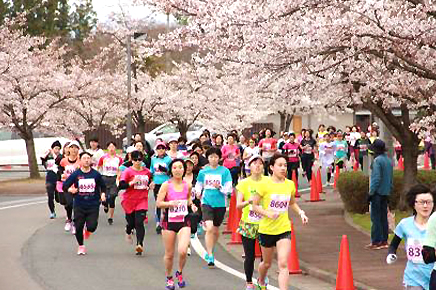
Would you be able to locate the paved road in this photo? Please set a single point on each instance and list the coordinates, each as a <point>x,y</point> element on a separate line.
<point>34,243</point>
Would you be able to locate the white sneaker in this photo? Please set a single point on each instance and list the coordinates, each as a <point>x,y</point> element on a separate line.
<point>81,250</point>
<point>189,251</point>
<point>67,227</point>
<point>73,229</point>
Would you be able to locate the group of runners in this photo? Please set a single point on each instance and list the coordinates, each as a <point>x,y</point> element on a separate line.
<point>191,184</point>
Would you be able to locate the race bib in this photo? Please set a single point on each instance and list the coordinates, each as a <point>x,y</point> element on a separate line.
<point>51,165</point>
<point>328,150</point>
<point>279,202</point>
<point>87,185</point>
<point>142,182</point>
<point>177,213</point>
<point>413,251</point>
<point>292,153</point>
<point>341,147</point>
<point>110,167</point>
<point>253,216</point>
<point>157,170</point>
<point>363,147</point>
<point>266,146</point>
<point>69,169</point>
<point>211,181</point>
<point>308,150</point>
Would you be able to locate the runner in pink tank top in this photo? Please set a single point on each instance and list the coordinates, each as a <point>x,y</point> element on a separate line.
<point>175,197</point>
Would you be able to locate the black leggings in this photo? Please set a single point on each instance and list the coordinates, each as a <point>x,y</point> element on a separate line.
<point>306,163</point>
<point>135,220</point>
<point>433,280</point>
<point>156,192</point>
<point>293,166</point>
<point>250,256</point>
<point>234,171</point>
<point>82,216</point>
<point>51,187</point>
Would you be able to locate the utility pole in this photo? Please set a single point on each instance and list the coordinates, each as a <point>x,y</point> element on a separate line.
<point>129,90</point>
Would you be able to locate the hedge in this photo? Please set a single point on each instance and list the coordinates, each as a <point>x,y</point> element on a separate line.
<point>353,187</point>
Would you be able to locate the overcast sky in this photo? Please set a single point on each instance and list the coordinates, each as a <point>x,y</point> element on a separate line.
<point>106,7</point>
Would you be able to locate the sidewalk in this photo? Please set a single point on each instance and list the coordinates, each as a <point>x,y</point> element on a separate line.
<point>318,245</point>
<point>22,186</point>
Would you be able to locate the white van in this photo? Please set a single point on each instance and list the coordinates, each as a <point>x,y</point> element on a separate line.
<point>13,148</point>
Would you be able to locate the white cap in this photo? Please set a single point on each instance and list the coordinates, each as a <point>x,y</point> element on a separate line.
<point>254,157</point>
<point>74,143</point>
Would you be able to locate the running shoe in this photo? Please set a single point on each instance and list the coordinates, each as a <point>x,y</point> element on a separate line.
<point>170,284</point>
<point>86,234</point>
<point>52,215</point>
<point>139,249</point>
<point>189,251</point>
<point>110,221</point>
<point>129,238</point>
<point>81,250</point>
<point>159,230</point>
<point>146,220</point>
<point>383,245</point>
<point>372,246</point>
<point>73,229</point>
<point>180,281</point>
<point>211,261</point>
<point>67,227</point>
<point>250,286</point>
<point>106,209</point>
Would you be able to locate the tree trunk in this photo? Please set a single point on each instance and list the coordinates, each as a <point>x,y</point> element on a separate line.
<point>31,155</point>
<point>282,121</point>
<point>183,128</point>
<point>410,155</point>
<point>140,124</point>
<point>289,118</point>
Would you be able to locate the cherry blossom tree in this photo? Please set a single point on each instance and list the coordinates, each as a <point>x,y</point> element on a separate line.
<point>375,54</point>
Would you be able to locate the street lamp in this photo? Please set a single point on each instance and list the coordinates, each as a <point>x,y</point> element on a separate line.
<point>129,84</point>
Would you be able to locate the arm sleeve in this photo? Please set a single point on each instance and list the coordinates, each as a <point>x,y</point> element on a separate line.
<point>396,240</point>
<point>123,185</point>
<point>227,182</point>
<point>102,184</point>
<point>428,254</point>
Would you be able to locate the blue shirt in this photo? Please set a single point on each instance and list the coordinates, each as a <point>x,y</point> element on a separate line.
<point>416,273</point>
<point>90,185</point>
<point>206,181</point>
<point>341,149</point>
<point>382,175</point>
<point>159,176</point>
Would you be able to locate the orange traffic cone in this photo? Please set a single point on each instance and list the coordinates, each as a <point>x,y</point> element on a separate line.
<point>232,209</point>
<point>293,263</point>
<point>294,179</point>
<point>236,237</point>
<point>344,279</point>
<point>257,251</point>
<point>314,193</point>
<point>319,181</point>
<point>401,163</point>
<point>426,161</point>
<point>337,172</point>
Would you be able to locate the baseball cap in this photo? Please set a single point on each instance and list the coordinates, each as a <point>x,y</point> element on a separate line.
<point>74,143</point>
<point>160,143</point>
<point>173,139</point>
<point>253,158</point>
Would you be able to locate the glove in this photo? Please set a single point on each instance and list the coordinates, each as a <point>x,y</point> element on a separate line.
<point>391,258</point>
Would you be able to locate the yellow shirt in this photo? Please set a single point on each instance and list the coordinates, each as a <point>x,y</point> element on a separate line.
<point>276,197</point>
<point>248,187</point>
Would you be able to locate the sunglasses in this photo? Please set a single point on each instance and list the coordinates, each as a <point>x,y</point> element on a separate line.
<point>136,159</point>
<point>160,148</point>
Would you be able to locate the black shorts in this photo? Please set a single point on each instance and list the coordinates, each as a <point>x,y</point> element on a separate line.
<point>215,214</point>
<point>175,227</point>
<point>269,241</point>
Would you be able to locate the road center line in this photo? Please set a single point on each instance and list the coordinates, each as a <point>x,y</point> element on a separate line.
<point>11,202</point>
<point>22,205</point>
<point>201,251</point>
